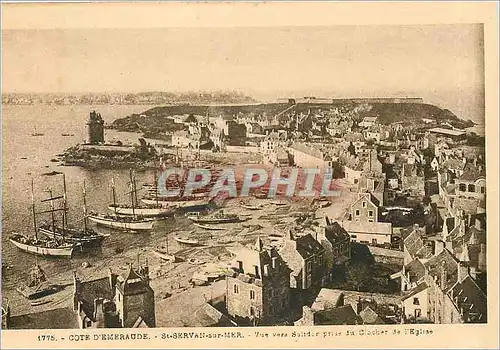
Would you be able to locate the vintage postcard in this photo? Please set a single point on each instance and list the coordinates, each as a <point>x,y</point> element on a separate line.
<point>243,174</point>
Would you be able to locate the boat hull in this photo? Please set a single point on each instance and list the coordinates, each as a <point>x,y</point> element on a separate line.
<point>215,221</point>
<point>211,228</point>
<point>135,226</point>
<point>177,204</point>
<point>61,252</point>
<point>94,240</point>
<point>147,212</point>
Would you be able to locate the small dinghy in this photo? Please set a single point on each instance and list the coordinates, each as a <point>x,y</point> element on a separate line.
<point>207,227</point>
<point>186,241</point>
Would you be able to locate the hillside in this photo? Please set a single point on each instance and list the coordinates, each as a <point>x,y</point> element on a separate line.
<point>155,119</point>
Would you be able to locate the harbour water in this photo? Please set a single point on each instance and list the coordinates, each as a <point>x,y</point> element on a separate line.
<point>25,157</point>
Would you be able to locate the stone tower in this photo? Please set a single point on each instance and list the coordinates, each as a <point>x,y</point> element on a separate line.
<point>95,127</point>
<point>134,298</point>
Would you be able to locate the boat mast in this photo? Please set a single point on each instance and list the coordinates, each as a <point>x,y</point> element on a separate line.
<point>65,204</point>
<point>33,207</point>
<point>132,193</point>
<point>155,184</point>
<point>84,207</point>
<point>134,186</point>
<point>114,194</point>
<point>52,213</point>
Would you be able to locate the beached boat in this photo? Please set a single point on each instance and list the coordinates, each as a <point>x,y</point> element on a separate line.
<point>207,227</point>
<point>128,223</point>
<point>217,218</point>
<point>123,222</point>
<point>44,247</point>
<point>136,210</point>
<point>85,236</point>
<point>40,302</point>
<point>187,241</point>
<point>181,204</point>
<point>164,255</point>
<point>38,285</point>
<point>252,207</point>
<point>48,247</point>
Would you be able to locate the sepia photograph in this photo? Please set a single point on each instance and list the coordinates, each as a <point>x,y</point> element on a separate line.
<point>224,178</point>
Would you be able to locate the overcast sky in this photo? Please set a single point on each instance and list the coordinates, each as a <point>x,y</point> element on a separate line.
<point>442,63</point>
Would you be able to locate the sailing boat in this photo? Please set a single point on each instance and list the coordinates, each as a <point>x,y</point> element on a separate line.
<point>164,254</point>
<point>136,210</point>
<point>38,285</point>
<point>86,236</point>
<point>45,247</point>
<point>129,223</point>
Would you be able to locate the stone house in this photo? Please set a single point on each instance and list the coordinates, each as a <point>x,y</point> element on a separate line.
<point>258,293</point>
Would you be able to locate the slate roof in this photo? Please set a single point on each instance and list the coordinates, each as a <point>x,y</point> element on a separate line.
<point>467,296</point>
<point>335,233</point>
<point>416,270</point>
<point>307,246</point>
<point>95,289</point>
<point>443,261</point>
<point>343,315</point>
<point>419,288</point>
<point>370,317</point>
<point>63,318</point>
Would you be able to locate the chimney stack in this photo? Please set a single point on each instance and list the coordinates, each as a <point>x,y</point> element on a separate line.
<point>444,276</point>
<point>463,272</point>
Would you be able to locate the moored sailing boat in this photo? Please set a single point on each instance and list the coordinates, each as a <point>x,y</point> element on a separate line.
<point>217,218</point>
<point>87,237</point>
<point>137,210</point>
<point>129,223</point>
<point>45,247</point>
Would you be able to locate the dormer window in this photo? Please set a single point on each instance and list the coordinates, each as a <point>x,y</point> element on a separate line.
<point>364,204</point>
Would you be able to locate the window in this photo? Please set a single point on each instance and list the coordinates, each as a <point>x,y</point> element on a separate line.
<point>374,241</point>
<point>471,188</point>
<point>357,212</point>
<point>416,301</point>
<point>252,295</point>
<point>355,181</point>
<point>370,220</point>
<point>236,289</point>
<point>252,311</point>
<point>483,189</point>
<point>418,313</point>
<point>364,204</point>
<point>462,188</point>
<point>370,213</point>
<point>309,266</point>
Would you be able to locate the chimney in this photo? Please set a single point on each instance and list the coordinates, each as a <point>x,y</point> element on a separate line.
<point>472,272</point>
<point>444,276</point>
<point>463,272</point>
<point>274,262</point>
<point>359,305</point>
<point>438,247</point>
<point>307,316</point>
<point>240,266</point>
<point>110,278</point>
